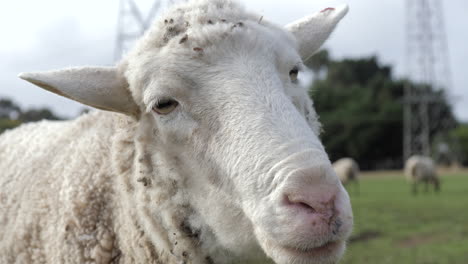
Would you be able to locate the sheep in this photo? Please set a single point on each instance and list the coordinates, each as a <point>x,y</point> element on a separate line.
<point>347,170</point>
<point>204,149</point>
<point>421,169</point>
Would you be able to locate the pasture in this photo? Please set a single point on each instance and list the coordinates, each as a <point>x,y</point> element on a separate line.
<point>393,226</point>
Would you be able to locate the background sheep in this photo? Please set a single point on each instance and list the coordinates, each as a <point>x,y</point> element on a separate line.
<point>208,152</point>
<point>347,170</point>
<point>420,169</point>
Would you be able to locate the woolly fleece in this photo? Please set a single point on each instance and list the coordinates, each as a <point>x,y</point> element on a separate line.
<point>93,190</point>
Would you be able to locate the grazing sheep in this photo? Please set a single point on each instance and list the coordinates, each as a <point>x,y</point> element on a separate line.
<point>420,169</point>
<point>208,152</point>
<point>347,170</point>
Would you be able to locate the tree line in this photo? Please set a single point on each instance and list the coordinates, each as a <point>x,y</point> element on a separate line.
<point>360,104</point>
<point>11,114</point>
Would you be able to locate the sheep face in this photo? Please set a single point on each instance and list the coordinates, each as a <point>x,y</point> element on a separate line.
<point>223,105</point>
<point>233,110</point>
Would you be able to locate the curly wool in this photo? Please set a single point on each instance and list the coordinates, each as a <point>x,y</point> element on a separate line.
<point>98,205</point>
<point>97,189</point>
<point>48,210</point>
<point>97,201</point>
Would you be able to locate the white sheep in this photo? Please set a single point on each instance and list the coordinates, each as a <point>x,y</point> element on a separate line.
<point>208,152</point>
<point>347,170</point>
<point>421,169</point>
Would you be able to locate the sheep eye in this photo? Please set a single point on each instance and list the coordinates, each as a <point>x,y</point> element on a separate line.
<point>164,107</point>
<point>293,74</point>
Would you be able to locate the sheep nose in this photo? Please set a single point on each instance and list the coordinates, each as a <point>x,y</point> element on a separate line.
<point>319,204</point>
<point>311,196</point>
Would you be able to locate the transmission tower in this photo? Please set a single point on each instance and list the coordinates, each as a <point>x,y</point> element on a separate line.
<point>427,66</point>
<point>132,23</point>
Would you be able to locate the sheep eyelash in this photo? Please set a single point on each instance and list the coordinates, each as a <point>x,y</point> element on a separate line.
<point>153,103</point>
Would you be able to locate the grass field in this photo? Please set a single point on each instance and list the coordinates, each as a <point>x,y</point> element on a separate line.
<point>394,226</point>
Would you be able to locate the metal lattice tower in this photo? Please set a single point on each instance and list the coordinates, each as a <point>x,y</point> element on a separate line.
<point>427,65</point>
<point>132,23</point>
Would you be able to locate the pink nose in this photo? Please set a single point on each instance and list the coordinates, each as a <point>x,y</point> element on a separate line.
<point>319,204</point>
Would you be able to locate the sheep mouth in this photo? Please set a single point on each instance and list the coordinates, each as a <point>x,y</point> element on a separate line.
<point>326,249</point>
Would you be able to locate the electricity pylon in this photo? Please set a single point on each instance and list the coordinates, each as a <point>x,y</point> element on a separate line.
<point>427,66</point>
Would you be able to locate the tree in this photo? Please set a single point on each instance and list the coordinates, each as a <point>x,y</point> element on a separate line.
<point>460,134</point>
<point>8,109</point>
<point>38,114</point>
<point>12,116</point>
<point>361,109</point>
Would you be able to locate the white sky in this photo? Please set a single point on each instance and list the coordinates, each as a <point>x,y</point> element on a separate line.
<point>50,34</point>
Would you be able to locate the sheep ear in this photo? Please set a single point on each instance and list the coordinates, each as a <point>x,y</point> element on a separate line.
<point>100,87</point>
<point>312,31</point>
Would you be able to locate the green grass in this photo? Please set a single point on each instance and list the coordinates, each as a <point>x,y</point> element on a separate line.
<point>394,226</point>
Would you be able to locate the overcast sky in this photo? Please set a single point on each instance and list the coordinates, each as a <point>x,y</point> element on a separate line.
<point>50,34</point>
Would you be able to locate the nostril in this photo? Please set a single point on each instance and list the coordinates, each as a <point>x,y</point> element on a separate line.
<point>306,207</point>
<point>299,203</point>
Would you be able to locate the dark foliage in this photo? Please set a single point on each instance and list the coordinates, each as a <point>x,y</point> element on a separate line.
<point>460,135</point>
<point>12,116</point>
<point>361,108</point>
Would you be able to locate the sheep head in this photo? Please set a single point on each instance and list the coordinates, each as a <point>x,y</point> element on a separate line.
<point>220,96</point>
